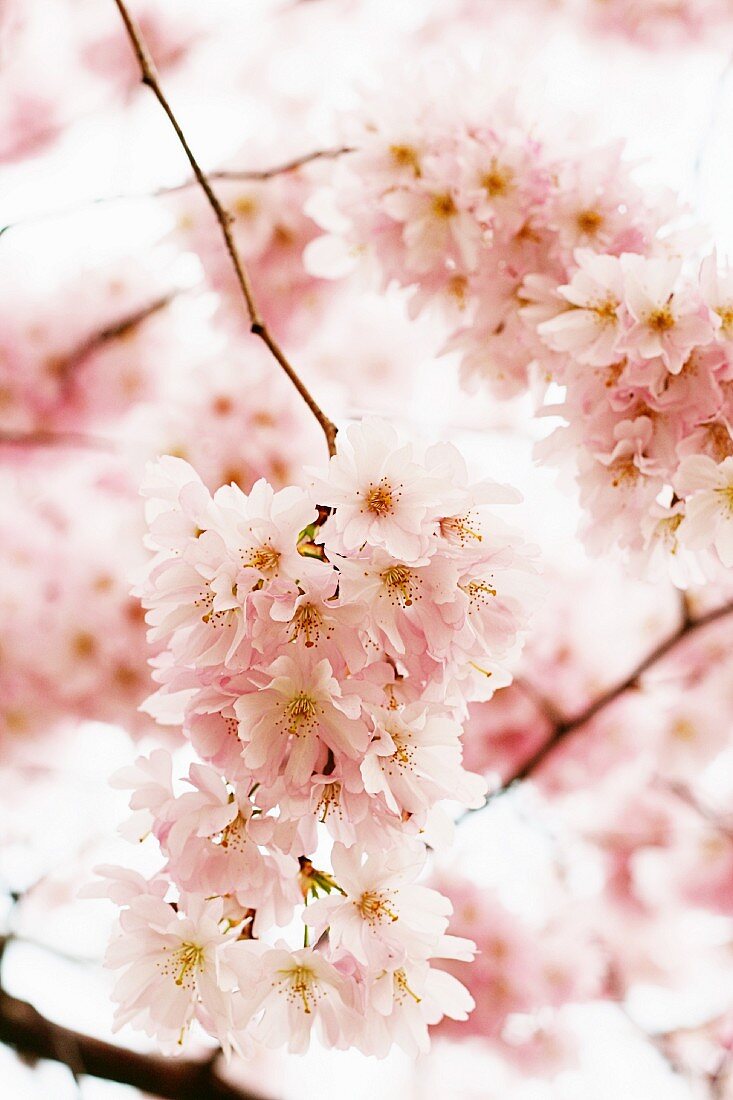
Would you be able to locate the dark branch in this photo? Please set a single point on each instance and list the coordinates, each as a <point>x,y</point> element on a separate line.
<point>224,218</point>
<point>233,175</point>
<point>42,438</point>
<point>118,330</point>
<point>24,1029</point>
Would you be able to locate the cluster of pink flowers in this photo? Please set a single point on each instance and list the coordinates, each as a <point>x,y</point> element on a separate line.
<point>319,647</point>
<point>73,639</point>
<point>548,270</point>
<point>650,24</point>
<point>520,972</point>
<point>656,22</point>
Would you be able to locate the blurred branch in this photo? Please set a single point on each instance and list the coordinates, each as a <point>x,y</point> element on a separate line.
<point>683,792</point>
<point>243,175</point>
<point>40,438</point>
<point>564,728</point>
<point>718,1079</point>
<point>118,330</point>
<point>224,218</point>
<point>29,1033</point>
<point>64,369</point>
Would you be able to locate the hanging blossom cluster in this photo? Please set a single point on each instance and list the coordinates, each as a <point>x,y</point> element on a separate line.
<point>657,22</point>
<point>555,270</point>
<point>651,24</point>
<point>320,647</point>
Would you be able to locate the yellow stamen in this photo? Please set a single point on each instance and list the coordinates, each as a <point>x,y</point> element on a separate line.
<point>374,908</point>
<point>660,320</point>
<point>401,584</point>
<point>380,498</point>
<point>589,221</point>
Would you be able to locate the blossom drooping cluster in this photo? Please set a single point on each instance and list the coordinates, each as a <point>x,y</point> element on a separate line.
<point>521,970</point>
<point>651,24</point>
<point>553,269</point>
<point>320,649</point>
<point>657,22</point>
<point>72,639</point>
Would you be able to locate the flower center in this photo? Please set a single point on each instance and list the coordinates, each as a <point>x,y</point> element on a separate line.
<point>406,156</point>
<point>443,205</point>
<point>660,320</point>
<point>374,908</point>
<point>497,180</point>
<point>402,755</point>
<point>402,989</point>
<point>589,221</point>
<point>330,796</point>
<point>300,987</point>
<point>625,472</point>
<point>307,622</point>
<point>234,837</point>
<point>683,730</point>
<point>380,499</point>
<point>606,312</point>
<point>720,440</point>
<point>263,558</point>
<point>456,529</point>
<point>401,584</point>
<point>300,711</point>
<point>726,316</point>
<point>188,958</point>
<point>478,592</point>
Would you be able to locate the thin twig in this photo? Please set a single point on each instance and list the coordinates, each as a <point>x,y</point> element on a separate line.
<point>42,438</point>
<point>684,794</point>
<point>232,175</point>
<point>224,218</point>
<point>565,728</point>
<point>117,330</point>
<point>64,370</point>
<point>718,1079</point>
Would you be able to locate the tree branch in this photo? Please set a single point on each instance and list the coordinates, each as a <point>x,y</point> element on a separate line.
<point>24,1029</point>
<point>117,330</point>
<point>565,727</point>
<point>224,218</point>
<point>42,438</point>
<point>233,175</point>
<point>29,1033</point>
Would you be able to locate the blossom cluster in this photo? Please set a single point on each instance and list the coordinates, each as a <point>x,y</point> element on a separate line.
<point>64,581</point>
<point>550,269</point>
<point>319,646</point>
<point>650,24</point>
<point>656,22</point>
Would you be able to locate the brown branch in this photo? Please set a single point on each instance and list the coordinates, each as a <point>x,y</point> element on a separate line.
<point>243,175</point>
<point>32,1035</point>
<point>564,728</point>
<point>718,1079</point>
<point>224,218</point>
<point>42,438</point>
<point>260,175</point>
<point>684,794</point>
<point>118,330</point>
<point>64,369</point>
<point>24,1029</point>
